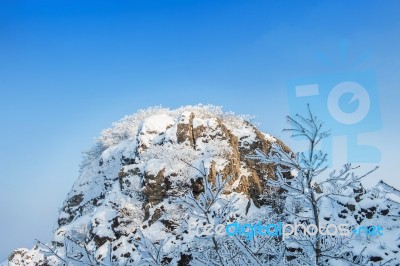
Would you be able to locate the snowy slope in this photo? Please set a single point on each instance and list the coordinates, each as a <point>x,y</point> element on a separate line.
<point>129,176</point>
<point>127,206</point>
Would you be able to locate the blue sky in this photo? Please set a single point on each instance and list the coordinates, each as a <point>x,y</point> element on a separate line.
<point>68,69</point>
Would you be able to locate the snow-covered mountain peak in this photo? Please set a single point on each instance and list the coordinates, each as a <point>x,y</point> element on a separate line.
<point>154,174</point>
<point>136,167</point>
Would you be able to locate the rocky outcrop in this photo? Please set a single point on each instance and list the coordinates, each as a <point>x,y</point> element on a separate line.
<point>128,179</point>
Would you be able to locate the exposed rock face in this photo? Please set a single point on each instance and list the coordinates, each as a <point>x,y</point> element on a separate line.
<point>142,162</point>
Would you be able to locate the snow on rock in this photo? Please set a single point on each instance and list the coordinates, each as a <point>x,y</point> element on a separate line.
<point>134,170</point>
<point>126,206</point>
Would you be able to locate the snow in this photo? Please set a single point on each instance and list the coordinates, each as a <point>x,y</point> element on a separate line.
<point>112,176</point>
<point>245,134</point>
<point>269,137</point>
<point>156,232</point>
<point>294,172</point>
<point>157,123</point>
<point>154,166</point>
<point>209,123</point>
<point>101,222</point>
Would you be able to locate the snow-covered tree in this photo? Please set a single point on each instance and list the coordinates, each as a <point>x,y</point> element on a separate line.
<point>155,190</point>
<point>310,198</point>
<point>210,209</point>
